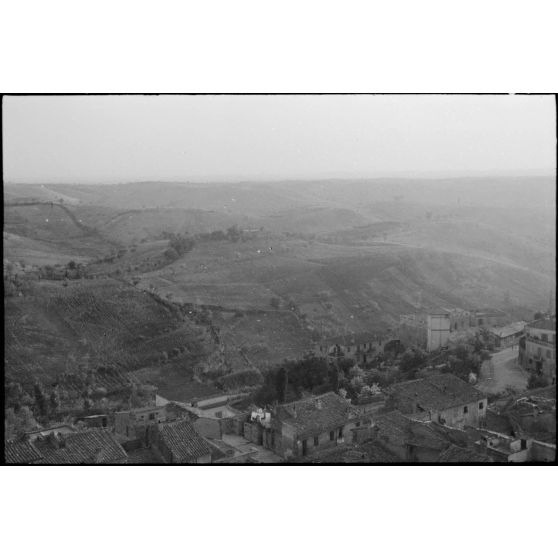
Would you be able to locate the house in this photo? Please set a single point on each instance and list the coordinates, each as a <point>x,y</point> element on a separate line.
<point>178,442</point>
<point>21,452</point>
<point>136,427</point>
<point>537,350</point>
<point>92,446</point>
<point>302,427</point>
<point>413,440</point>
<point>360,347</point>
<point>487,317</point>
<point>444,398</point>
<point>506,336</point>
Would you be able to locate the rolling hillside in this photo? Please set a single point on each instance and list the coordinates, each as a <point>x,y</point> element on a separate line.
<point>55,330</point>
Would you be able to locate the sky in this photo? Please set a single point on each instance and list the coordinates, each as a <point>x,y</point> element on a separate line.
<point>133,138</point>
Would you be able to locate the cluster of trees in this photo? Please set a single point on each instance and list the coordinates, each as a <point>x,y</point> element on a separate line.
<point>467,357</point>
<point>232,234</point>
<point>289,380</point>
<point>178,246</point>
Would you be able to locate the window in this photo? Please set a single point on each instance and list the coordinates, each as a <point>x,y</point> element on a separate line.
<point>357,424</point>
<point>544,337</point>
<point>151,416</point>
<point>465,410</point>
<point>481,405</point>
<point>548,353</point>
<point>332,436</point>
<point>316,441</point>
<point>341,433</point>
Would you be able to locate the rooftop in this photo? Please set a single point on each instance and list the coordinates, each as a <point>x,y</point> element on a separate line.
<point>315,414</point>
<point>455,454</point>
<point>405,431</point>
<point>511,329</point>
<point>438,392</point>
<point>95,445</point>
<point>20,452</point>
<point>183,441</point>
<point>370,451</point>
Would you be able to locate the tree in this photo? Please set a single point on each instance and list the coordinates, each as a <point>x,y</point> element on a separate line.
<point>54,400</point>
<point>333,376</point>
<point>281,384</point>
<point>40,399</point>
<point>71,264</point>
<point>275,302</point>
<point>412,359</point>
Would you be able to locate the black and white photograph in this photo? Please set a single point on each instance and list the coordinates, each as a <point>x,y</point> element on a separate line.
<point>279,279</point>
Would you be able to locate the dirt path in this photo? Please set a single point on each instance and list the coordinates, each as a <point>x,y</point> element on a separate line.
<point>502,372</point>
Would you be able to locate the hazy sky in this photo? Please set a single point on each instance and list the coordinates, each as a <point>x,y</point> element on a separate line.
<point>126,138</point>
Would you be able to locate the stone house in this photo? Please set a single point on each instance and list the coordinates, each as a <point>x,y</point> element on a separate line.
<point>506,336</point>
<point>299,428</point>
<point>488,317</point>
<point>360,347</point>
<point>537,350</point>
<point>443,398</point>
<point>137,424</point>
<point>412,440</point>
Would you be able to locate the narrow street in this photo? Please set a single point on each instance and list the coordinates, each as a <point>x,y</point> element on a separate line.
<point>502,371</point>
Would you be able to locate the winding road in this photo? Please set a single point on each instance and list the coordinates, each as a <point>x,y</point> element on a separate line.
<point>502,371</point>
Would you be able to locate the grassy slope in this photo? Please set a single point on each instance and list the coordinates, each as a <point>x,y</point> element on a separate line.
<point>89,323</point>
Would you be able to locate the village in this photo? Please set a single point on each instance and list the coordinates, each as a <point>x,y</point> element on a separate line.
<point>448,386</point>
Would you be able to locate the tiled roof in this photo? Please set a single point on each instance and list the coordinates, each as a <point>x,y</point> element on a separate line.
<point>455,454</point>
<point>369,452</point>
<point>183,441</point>
<point>316,414</point>
<point>94,445</point>
<point>511,329</point>
<point>20,452</point>
<point>401,430</point>
<point>438,392</point>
